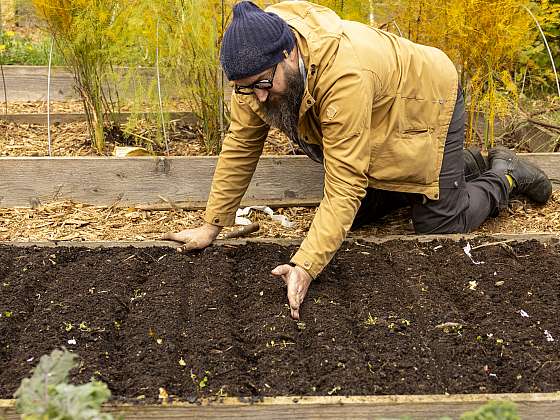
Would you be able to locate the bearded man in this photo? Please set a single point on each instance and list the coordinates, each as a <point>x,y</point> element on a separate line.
<point>383,115</point>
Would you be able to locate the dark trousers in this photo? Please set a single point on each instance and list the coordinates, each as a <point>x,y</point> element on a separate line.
<point>462,206</point>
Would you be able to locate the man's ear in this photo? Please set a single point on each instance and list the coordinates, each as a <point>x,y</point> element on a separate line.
<point>293,56</point>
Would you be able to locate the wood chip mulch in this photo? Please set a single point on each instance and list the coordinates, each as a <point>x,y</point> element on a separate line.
<point>80,222</point>
<point>75,106</point>
<point>72,139</point>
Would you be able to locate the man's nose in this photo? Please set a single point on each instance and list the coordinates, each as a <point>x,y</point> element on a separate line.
<point>261,94</point>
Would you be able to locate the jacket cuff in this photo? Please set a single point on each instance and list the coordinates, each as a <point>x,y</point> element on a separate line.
<point>219,219</point>
<point>305,261</point>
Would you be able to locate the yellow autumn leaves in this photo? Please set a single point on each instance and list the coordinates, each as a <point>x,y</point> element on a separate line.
<point>490,41</point>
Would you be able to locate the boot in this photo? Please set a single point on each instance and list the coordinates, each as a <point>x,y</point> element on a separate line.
<point>475,163</point>
<point>529,180</point>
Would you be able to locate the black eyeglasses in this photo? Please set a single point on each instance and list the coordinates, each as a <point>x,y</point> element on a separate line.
<point>265,84</point>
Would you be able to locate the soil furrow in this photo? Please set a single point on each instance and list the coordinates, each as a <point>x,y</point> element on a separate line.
<point>395,318</point>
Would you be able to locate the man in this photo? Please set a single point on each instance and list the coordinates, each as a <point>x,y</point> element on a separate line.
<point>385,117</point>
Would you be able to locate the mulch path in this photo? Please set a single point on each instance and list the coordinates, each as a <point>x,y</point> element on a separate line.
<point>72,139</point>
<point>79,222</point>
<point>74,221</point>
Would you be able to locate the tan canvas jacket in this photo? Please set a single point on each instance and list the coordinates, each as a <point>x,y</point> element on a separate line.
<point>378,105</point>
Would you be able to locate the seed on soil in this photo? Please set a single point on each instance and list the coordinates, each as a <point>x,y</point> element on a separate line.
<point>334,390</point>
<point>163,395</point>
<point>450,327</point>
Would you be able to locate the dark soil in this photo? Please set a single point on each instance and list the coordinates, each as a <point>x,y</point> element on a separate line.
<point>369,321</point>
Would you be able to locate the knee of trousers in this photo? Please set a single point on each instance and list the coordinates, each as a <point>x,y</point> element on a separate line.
<point>440,226</point>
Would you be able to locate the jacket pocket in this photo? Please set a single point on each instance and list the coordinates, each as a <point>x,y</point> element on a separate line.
<point>409,157</point>
<point>417,115</point>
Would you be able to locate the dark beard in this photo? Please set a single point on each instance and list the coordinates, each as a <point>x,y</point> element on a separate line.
<point>282,110</point>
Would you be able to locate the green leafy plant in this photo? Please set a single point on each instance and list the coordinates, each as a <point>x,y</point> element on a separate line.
<point>200,381</point>
<point>22,50</point>
<point>494,410</point>
<point>47,394</point>
<point>190,32</point>
<point>88,35</point>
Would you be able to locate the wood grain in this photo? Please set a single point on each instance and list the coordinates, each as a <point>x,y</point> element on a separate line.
<point>41,119</point>
<point>29,83</point>
<point>151,182</point>
<point>530,406</point>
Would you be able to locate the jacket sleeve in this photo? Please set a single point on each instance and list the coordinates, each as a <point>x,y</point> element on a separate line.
<point>345,114</point>
<point>238,159</point>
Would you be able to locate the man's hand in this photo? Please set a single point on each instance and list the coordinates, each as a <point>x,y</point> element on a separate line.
<point>197,238</point>
<point>298,281</point>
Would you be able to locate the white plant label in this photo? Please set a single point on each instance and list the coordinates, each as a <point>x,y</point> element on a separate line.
<point>467,248</point>
<point>240,218</point>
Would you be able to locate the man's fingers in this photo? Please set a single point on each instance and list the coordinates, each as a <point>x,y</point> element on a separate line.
<point>295,314</point>
<point>187,246</point>
<point>294,307</point>
<point>294,300</point>
<point>173,236</point>
<point>281,270</point>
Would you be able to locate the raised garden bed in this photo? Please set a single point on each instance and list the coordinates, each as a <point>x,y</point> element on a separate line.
<point>168,182</point>
<point>72,117</point>
<point>388,318</point>
<point>152,182</point>
<point>29,83</point>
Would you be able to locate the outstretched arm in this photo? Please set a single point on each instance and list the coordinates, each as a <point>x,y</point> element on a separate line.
<point>240,154</point>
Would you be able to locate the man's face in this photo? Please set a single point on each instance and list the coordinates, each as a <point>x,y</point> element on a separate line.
<point>281,109</point>
<point>281,103</point>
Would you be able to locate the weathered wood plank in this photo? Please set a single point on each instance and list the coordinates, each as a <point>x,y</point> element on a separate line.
<point>151,181</point>
<point>161,182</point>
<point>548,162</point>
<point>41,119</point>
<point>533,406</point>
<point>496,238</point>
<point>29,83</point>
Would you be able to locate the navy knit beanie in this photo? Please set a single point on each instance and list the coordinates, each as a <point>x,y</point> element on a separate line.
<point>254,41</point>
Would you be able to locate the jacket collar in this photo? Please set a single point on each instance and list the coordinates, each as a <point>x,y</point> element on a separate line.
<point>318,31</point>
